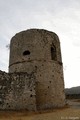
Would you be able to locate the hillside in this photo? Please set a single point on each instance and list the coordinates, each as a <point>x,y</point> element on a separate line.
<point>73,90</point>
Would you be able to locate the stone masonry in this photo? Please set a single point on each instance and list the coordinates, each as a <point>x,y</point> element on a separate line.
<point>17,91</point>
<point>35,79</point>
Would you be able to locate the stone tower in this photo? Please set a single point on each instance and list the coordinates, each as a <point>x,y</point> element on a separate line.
<point>37,52</point>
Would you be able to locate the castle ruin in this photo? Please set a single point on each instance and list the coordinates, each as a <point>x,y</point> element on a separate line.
<point>35,79</point>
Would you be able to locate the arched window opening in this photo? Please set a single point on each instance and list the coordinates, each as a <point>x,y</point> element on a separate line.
<point>27,52</point>
<point>53,53</point>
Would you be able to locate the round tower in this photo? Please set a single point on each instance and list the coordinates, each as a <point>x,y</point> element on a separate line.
<point>38,51</point>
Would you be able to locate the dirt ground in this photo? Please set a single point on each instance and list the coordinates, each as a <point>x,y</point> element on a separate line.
<point>71,112</point>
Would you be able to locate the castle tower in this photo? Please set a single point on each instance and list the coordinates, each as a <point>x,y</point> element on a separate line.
<point>37,51</point>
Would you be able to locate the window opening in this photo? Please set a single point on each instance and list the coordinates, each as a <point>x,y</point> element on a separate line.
<point>27,52</point>
<point>53,53</point>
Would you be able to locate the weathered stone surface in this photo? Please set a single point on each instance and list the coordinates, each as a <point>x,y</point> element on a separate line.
<point>35,79</point>
<point>38,43</point>
<point>17,91</point>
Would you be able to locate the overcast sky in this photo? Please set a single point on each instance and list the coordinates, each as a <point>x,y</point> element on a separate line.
<point>59,16</point>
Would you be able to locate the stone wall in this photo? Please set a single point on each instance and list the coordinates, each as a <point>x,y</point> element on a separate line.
<point>30,91</point>
<point>17,91</point>
<point>49,85</point>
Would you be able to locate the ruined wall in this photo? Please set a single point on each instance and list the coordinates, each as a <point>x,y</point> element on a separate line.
<point>17,91</point>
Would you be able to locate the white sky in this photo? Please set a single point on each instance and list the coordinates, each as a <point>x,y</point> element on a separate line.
<point>59,16</point>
